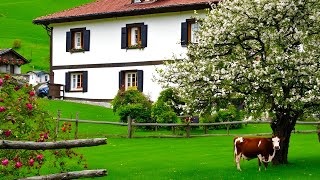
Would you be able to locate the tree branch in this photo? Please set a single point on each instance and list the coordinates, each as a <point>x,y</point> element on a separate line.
<point>5,144</point>
<point>71,175</point>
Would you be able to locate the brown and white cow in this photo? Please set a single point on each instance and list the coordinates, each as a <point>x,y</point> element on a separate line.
<point>255,147</point>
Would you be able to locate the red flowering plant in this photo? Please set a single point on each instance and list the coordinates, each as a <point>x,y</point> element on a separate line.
<point>23,119</point>
<point>11,61</point>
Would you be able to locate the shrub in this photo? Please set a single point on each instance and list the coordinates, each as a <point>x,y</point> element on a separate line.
<point>22,119</point>
<point>170,98</point>
<point>224,115</point>
<point>163,113</point>
<point>16,44</point>
<point>132,103</point>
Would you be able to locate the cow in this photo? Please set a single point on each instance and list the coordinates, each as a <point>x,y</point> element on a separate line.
<point>255,147</point>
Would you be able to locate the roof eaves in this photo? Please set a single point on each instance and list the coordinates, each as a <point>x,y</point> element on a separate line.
<point>164,9</point>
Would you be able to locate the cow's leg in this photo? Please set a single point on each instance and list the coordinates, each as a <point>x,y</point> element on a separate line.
<point>265,165</point>
<point>238,157</point>
<point>260,158</point>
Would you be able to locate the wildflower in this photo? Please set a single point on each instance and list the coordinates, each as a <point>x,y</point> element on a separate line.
<point>29,106</point>
<point>31,162</point>
<point>40,157</point>
<point>18,164</point>
<point>7,133</point>
<point>5,162</point>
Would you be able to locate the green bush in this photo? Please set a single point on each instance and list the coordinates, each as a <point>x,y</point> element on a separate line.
<point>132,103</point>
<point>224,115</point>
<point>163,113</point>
<point>16,44</point>
<point>170,98</point>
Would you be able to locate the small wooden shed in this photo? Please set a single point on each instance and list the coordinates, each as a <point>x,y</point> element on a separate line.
<point>11,61</point>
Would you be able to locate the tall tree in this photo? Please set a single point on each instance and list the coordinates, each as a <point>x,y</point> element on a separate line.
<point>264,51</point>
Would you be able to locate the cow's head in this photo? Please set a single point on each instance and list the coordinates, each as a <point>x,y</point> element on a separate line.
<point>276,142</point>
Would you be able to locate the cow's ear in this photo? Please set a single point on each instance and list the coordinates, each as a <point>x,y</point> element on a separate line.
<point>282,139</point>
<point>269,139</point>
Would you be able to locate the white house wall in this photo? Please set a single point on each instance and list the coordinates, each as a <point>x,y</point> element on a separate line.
<point>163,41</point>
<point>103,83</point>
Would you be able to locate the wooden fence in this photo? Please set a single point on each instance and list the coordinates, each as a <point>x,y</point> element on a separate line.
<point>65,144</point>
<point>186,126</point>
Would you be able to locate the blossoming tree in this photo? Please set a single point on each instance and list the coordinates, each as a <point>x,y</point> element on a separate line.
<point>264,51</point>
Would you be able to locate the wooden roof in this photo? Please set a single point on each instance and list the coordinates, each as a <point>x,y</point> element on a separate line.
<point>10,50</point>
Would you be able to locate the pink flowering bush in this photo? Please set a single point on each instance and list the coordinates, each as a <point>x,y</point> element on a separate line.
<point>22,119</point>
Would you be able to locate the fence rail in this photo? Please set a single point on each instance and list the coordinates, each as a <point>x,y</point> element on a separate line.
<point>187,126</point>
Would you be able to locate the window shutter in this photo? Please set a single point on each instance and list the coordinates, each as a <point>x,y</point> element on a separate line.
<point>67,85</point>
<point>184,34</point>
<point>68,41</point>
<point>121,76</point>
<point>144,34</point>
<point>86,37</point>
<point>85,81</point>
<point>140,80</point>
<point>124,43</point>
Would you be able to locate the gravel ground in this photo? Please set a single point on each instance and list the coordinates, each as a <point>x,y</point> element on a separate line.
<point>104,104</point>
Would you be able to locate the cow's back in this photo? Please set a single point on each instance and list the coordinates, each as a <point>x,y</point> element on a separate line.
<point>248,147</point>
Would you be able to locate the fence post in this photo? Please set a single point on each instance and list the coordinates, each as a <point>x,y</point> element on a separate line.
<point>205,129</point>
<point>57,125</point>
<point>228,129</point>
<point>173,130</point>
<point>129,127</point>
<point>188,130</point>
<point>77,124</point>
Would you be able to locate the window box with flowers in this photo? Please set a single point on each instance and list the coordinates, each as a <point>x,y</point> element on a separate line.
<point>11,61</point>
<point>73,50</point>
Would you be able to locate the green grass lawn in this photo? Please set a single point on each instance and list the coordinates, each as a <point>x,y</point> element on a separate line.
<point>182,158</point>
<point>197,158</point>
<point>98,113</point>
<point>16,23</point>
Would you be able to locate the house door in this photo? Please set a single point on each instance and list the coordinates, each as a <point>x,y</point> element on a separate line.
<point>11,69</point>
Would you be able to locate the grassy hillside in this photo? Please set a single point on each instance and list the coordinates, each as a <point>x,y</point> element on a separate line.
<point>16,23</point>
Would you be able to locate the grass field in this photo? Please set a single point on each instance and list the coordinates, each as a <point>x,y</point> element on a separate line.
<point>16,23</point>
<point>197,158</point>
<point>97,113</point>
<point>181,158</point>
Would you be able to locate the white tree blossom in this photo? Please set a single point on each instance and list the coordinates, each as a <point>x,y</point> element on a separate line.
<point>265,51</point>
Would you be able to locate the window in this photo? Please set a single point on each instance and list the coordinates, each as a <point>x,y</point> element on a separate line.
<point>78,43</point>
<point>134,36</point>
<point>131,78</point>
<point>189,32</point>
<point>78,40</point>
<point>76,81</point>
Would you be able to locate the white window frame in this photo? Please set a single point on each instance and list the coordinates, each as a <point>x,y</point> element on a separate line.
<point>129,79</point>
<point>194,38</point>
<point>77,40</point>
<point>134,36</point>
<point>75,78</point>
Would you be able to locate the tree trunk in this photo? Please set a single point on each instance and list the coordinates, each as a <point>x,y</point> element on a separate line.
<point>282,128</point>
